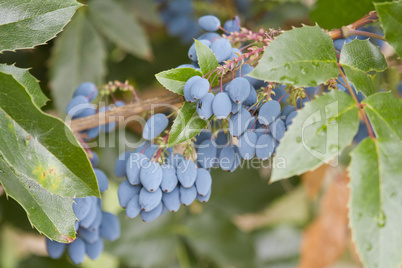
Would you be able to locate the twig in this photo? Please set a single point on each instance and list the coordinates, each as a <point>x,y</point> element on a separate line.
<point>367,19</point>
<point>121,113</point>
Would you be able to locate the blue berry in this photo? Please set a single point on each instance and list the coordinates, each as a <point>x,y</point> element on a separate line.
<point>226,158</point>
<point>169,178</point>
<point>133,207</point>
<point>186,173</point>
<point>126,191</point>
<point>76,251</point>
<point>187,195</point>
<point>54,248</point>
<point>171,200</point>
<point>89,219</point>
<point>290,117</point>
<point>221,106</point>
<point>222,49</point>
<point>278,129</point>
<point>203,182</point>
<point>149,216</point>
<point>268,112</point>
<point>90,236</point>
<point>239,89</point>
<point>247,144</point>
<point>239,122</point>
<point>199,88</point>
<point>77,106</point>
<point>107,127</point>
<point>265,146</point>
<point>209,23</point>
<point>103,182</point>
<point>205,198</point>
<point>206,154</point>
<point>133,167</point>
<point>209,36</point>
<point>187,87</point>
<point>252,97</point>
<point>154,126</point>
<point>88,90</point>
<point>110,226</point>
<point>232,25</point>
<point>94,250</point>
<point>286,111</point>
<point>81,207</point>
<point>151,176</point>
<point>204,106</point>
<point>237,159</point>
<point>149,200</point>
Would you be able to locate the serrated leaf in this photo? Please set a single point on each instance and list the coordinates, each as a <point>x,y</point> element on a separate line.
<point>375,196</point>
<point>78,56</point>
<point>384,111</point>
<point>28,81</point>
<point>39,147</point>
<point>120,27</point>
<point>186,125</point>
<point>376,184</point>
<point>358,58</point>
<point>320,131</point>
<point>50,214</point>
<point>28,23</point>
<point>206,58</point>
<point>174,79</point>
<point>301,57</point>
<point>391,20</point>
<point>343,12</point>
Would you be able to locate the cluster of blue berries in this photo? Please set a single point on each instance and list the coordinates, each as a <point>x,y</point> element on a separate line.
<point>80,106</point>
<point>91,226</point>
<point>157,180</point>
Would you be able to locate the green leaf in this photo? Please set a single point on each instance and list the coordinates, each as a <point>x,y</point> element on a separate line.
<point>320,131</point>
<point>28,23</point>
<point>206,58</point>
<point>174,79</point>
<point>384,111</point>
<point>28,81</point>
<point>120,27</point>
<point>391,20</point>
<point>358,58</point>
<point>375,185</point>
<point>186,125</point>
<point>301,57</point>
<point>51,214</point>
<point>375,197</point>
<point>40,148</point>
<point>79,55</point>
<point>331,14</point>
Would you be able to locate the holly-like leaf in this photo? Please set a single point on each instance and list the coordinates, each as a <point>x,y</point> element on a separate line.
<point>320,131</point>
<point>40,148</point>
<point>78,56</point>
<point>358,58</point>
<point>28,81</point>
<point>391,20</point>
<point>50,214</point>
<point>174,79</point>
<point>375,185</point>
<point>206,58</point>
<point>120,27</point>
<point>186,125</point>
<point>343,12</point>
<point>28,23</point>
<point>301,57</point>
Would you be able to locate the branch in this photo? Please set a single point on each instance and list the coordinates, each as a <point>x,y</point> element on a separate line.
<point>138,108</point>
<point>121,113</point>
<point>371,17</point>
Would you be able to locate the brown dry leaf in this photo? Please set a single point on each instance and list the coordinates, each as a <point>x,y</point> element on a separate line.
<point>325,239</point>
<point>313,180</point>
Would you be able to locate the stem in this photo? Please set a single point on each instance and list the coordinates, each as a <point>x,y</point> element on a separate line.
<point>121,113</point>
<point>367,19</point>
<point>349,32</point>
<point>361,107</point>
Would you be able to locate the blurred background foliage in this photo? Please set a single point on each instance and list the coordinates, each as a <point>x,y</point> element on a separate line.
<point>247,222</point>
